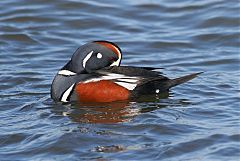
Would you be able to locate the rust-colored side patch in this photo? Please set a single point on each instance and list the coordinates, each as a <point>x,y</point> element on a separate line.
<point>101,91</point>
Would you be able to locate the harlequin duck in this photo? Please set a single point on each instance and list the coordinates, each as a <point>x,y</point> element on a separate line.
<point>94,74</point>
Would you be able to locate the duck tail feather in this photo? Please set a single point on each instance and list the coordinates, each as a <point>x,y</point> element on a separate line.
<point>180,80</point>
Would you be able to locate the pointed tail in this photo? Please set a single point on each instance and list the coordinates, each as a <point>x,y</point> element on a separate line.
<point>180,80</point>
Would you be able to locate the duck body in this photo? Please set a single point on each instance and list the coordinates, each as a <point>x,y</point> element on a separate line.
<point>94,74</point>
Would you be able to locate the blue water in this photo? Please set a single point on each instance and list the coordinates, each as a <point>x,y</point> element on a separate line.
<point>198,120</point>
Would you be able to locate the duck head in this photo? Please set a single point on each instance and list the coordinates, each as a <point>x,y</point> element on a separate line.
<point>93,56</point>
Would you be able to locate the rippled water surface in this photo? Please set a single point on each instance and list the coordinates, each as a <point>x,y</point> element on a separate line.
<point>199,120</point>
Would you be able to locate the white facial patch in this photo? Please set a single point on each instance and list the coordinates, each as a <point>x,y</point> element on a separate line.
<point>87,58</point>
<point>157,90</point>
<point>99,55</point>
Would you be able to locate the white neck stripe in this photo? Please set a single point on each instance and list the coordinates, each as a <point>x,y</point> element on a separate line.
<point>66,72</point>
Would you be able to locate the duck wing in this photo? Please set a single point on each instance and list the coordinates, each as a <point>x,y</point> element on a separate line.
<point>143,80</point>
<point>133,71</point>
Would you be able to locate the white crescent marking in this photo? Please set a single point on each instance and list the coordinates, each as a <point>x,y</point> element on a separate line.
<point>117,63</point>
<point>86,59</point>
<point>67,93</point>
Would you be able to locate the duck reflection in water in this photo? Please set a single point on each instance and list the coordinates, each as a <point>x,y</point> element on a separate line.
<point>114,112</point>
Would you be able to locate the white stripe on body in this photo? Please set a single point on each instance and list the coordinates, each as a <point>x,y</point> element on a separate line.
<point>127,82</point>
<point>67,93</point>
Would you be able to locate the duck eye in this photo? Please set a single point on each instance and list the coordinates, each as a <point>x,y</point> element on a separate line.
<point>99,55</point>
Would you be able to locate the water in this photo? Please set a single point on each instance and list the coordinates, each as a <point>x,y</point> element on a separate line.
<point>198,120</point>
